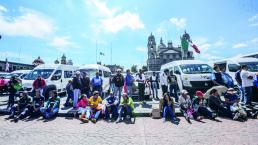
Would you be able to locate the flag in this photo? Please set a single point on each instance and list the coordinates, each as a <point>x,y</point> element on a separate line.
<point>184,44</point>
<point>101,53</point>
<point>196,48</point>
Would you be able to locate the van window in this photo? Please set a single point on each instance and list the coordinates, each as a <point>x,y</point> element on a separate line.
<point>68,74</point>
<point>107,74</point>
<point>195,68</point>
<point>45,73</point>
<point>176,70</point>
<point>233,67</point>
<point>57,75</point>
<point>222,65</point>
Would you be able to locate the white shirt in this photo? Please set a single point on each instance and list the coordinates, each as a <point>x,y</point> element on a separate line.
<point>185,102</point>
<point>164,79</point>
<point>139,80</point>
<point>245,81</point>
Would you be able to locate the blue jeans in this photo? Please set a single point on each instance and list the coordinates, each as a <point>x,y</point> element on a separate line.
<point>168,110</point>
<point>90,114</point>
<point>124,110</point>
<point>154,89</point>
<point>129,90</point>
<point>111,109</point>
<point>173,91</point>
<point>118,92</point>
<point>69,97</point>
<point>49,113</point>
<point>248,94</point>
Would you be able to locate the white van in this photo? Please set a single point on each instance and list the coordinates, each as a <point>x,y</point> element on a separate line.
<point>104,72</point>
<point>55,75</point>
<point>232,65</point>
<point>191,75</point>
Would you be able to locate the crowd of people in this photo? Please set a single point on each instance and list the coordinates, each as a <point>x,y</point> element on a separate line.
<point>87,97</point>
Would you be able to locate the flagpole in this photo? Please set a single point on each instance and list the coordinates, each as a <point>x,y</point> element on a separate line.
<point>111,54</point>
<point>96,52</point>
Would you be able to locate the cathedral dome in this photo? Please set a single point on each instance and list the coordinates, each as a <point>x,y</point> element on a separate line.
<point>38,61</point>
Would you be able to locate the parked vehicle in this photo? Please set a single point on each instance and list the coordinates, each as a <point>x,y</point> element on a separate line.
<point>192,75</point>
<point>104,72</point>
<point>3,74</point>
<point>55,75</point>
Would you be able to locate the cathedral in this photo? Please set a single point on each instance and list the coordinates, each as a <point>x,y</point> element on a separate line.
<point>163,54</point>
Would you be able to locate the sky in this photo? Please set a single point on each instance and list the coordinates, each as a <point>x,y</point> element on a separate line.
<point>81,29</point>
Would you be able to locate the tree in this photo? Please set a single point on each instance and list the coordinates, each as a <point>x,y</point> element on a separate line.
<point>144,68</point>
<point>134,69</point>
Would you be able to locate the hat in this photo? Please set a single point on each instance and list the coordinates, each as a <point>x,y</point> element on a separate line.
<point>25,92</point>
<point>95,92</point>
<point>231,91</point>
<point>184,92</point>
<point>199,94</point>
<point>119,70</point>
<point>77,72</point>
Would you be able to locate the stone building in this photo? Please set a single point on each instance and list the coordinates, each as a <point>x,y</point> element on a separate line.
<point>162,54</point>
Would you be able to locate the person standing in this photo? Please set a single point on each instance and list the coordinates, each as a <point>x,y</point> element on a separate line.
<point>85,84</point>
<point>141,85</point>
<point>164,81</point>
<point>96,83</point>
<point>227,79</point>
<point>119,83</point>
<point>154,85</point>
<point>69,90</point>
<point>216,77</point>
<point>173,87</point>
<point>239,84</point>
<point>39,84</point>
<point>14,81</point>
<point>77,85</point>
<point>247,84</point>
<point>129,79</point>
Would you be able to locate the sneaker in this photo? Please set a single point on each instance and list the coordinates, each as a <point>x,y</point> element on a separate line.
<point>16,119</point>
<point>84,120</point>
<point>164,120</point>
<point>132,120</point>
<point>93,120</point>
<point>236,116</point>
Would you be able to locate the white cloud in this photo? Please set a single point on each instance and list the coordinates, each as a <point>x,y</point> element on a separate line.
<point>29,23</point>
<point>220,42</point>
<point>141,49</point>
<point>240,45</point>
<point>121,21</point>
<point>110,20</point>
<point>62,43</point>
<point>3,9</point>
<point>180,23</point>
<point>253,20</point>
<point>255,41</point>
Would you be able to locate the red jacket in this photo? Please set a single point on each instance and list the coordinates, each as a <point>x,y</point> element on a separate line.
<point>37,85</point>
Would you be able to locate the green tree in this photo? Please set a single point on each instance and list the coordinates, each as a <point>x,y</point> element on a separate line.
<point>144,68</point>
<point>134,69</point>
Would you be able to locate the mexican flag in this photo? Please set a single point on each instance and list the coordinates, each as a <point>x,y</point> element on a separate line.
<point>196,49</point>
<point>184,43</point>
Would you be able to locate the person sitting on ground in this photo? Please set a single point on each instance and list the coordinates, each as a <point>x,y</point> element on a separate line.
<point>111,103</point>
<point>69,90</point>
<point>18,109</point>
<point>230,97</point>
<point>39,84</point>
<point>82,107</point>
<point>200,105</point>
<point>37,102</point>
<point>126,108</point>
<point>52,106</point>
<point>240,113</point>
<point>168,108</point>
<point>96,107</point>
<point>185,104</point>
<point>14,85</point>
<point>217,105</point>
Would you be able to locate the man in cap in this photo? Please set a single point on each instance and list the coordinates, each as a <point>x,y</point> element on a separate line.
<point>200,106</point>
<point>247,78</point>
<point>77,86</point>
<point>96,83</point>
<point>96,107</point>
<point>85,84</point>
<point>111,103</point>
<point>119,83</point>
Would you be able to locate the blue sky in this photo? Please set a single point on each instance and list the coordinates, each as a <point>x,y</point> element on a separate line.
<point>76,28</point>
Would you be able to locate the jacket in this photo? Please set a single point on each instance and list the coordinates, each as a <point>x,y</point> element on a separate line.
<point>39,83</point>
<point>128,102</point>
<point>118,80</point>
<point>82,103</point>
<point>77,83</point>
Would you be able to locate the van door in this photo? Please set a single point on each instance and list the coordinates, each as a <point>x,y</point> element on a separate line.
<point>178,77</point>
<point>68,75</point>
<point>57,80</point>
<point>106,79</point>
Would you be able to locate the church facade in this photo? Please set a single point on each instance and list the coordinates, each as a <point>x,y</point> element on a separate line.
<point>162,54</point>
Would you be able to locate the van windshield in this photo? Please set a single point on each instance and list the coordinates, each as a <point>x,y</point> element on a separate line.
<point>44,73</point>
<point>90,72</point>
<point>195,68</point>
<point>8,76</point>
<point>252,66</point>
